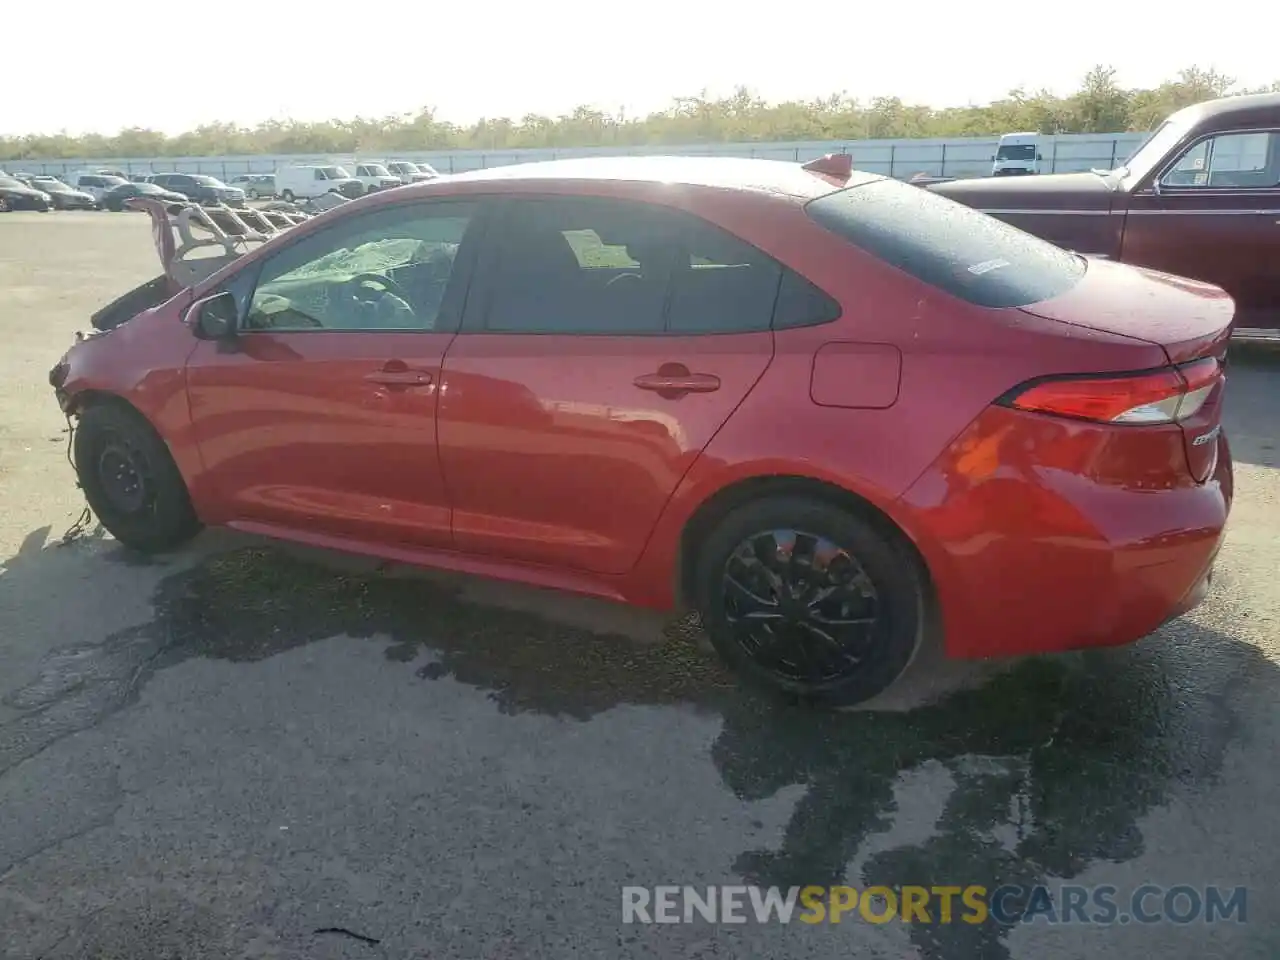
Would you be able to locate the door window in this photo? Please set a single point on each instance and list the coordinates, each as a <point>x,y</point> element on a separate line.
<point>385,270</point>
<point>587,265</point>
<point>721,284</point>
<point>581,265</point>
<point>1230,160</point>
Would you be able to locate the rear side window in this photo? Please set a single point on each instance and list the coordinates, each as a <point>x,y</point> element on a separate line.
<point>720,284</point>
<point>970,255</point>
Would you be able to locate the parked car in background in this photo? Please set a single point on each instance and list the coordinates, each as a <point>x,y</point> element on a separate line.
<point>63,196</point>
<point>407,172</point>
<point>830,411</point>
<point>304,181</point>
<point>1200,198</point>
<point>375,176</point>
<point>411,172</point>
<point>200,188</point>
<point>95,184</point>
<point>115,198</point>
<point>16,195</point>
<point>256,185</point>
<point>140,177</point>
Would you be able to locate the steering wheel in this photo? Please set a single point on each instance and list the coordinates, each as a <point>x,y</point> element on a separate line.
<point>362,282</point>
<point>381,296</point>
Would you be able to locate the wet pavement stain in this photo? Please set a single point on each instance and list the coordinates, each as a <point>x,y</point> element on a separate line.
<point>1053,763</point>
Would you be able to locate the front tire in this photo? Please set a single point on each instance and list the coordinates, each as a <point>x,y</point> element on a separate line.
<point>287,196</point>
<point>131,481</point>
<point>809,601</point>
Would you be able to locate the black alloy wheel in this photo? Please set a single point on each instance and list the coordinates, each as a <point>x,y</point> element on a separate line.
<point>799,605</point>
<point>811,601</point>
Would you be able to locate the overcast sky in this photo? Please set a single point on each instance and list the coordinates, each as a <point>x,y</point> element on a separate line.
<point>92,68</point>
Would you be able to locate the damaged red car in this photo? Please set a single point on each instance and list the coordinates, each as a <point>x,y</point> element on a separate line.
<point>831,412</point>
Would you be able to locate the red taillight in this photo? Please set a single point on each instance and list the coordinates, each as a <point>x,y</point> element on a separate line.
<point>1154,396</point>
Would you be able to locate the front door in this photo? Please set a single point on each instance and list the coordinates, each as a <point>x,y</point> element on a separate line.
<point>604,345</point>
<point>1216,217</point>
<point>320,416</point>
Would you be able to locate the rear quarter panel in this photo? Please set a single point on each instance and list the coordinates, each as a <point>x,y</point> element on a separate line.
<point>956,360</point>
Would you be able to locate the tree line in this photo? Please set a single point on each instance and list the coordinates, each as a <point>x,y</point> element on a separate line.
<point>1100,105</point>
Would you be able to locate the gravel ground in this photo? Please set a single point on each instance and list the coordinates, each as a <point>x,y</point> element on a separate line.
<point>223,753</point>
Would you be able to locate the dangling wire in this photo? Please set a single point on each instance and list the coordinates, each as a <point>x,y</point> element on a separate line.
<point>77,529</point>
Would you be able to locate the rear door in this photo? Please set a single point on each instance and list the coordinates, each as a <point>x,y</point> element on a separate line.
<point>605,343</point>
<point>1216,217</point>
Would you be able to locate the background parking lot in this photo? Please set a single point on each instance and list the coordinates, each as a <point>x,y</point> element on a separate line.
<point>223,752</point>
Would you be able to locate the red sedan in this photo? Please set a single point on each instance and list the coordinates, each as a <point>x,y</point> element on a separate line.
<point>827,410</point>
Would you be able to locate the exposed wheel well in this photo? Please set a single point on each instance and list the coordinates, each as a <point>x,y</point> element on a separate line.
<point>95,398</point>
<point>730,498</point>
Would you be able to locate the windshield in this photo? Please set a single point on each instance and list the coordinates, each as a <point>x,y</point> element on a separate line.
<point>11,182</point>
<point>1016,151</point>
<point>427,168</point>
<point>1154,149</point>
<point>149,188</point>
<point>53,186</point>
<point>334,173</point>
<point>109,181</point>
<point>970,255</point>
<point>206,181</point>
<point>377,170</point>
<point>402,167</point>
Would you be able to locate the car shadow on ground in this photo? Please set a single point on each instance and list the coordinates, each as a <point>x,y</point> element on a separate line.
<point>1053,762</point>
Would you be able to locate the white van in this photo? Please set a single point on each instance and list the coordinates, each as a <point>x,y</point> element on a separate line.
<point>1017,154</point>
<point>375,176</point>
<point>306,181</point>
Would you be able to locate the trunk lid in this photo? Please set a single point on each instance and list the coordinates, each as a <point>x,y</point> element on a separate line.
<point>1186,318</point>
<point>1189,320</point>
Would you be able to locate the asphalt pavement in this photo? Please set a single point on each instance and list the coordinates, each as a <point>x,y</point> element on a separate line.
<point>250,751</point>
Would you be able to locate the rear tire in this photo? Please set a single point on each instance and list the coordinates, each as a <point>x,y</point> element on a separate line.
<point>252,194</point>
<point>838,607</point>
<point>287,196</point>
<point>131,481</point>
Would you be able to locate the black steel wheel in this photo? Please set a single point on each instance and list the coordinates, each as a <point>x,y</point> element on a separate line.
<point>130,479</point>
<point>809,600</point>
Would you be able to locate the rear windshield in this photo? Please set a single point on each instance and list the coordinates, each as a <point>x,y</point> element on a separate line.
<point>968,254</point>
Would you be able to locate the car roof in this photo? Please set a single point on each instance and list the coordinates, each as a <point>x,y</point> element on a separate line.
<point>1226,110</point>
<point>777,177</point>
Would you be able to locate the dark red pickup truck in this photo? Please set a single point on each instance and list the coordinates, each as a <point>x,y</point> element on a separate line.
<point>1200,198</point>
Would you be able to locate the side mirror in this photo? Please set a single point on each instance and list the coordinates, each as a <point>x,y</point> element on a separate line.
<point>216,317</point>
<point>1039,157</point>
